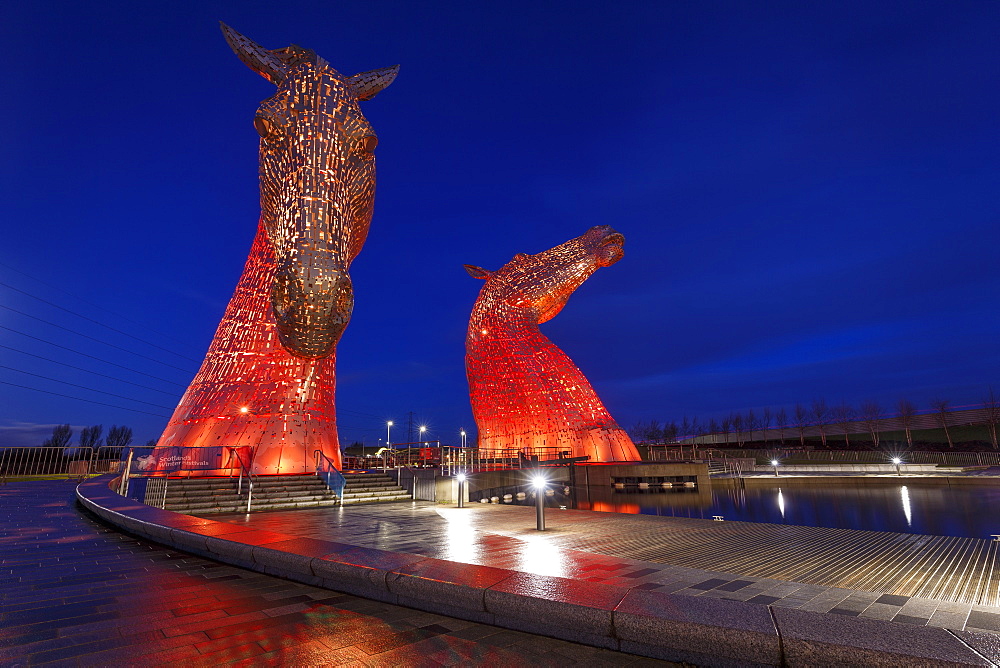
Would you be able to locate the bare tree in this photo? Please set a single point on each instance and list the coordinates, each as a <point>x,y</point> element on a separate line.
<point>118,439</point>
<point>871,415</point>
<point>670,432</point>
<point>62,434</point>
<point>637,431</point>
<point>821,414</point>
<point>781,421</point>
<point>801,416</point>
<point>907,411</point>
<point>90,437</point>
<point>941,406</point>
<point>685,427</point>
<point>843,416</point>
<point>991,414</point>
<point>726,425</point>
<point>151,443</point>
<point>738,427</point>
<point>765,424</point>
<point>751,423</point>
<point>648,432</point>
<point>713,429</point>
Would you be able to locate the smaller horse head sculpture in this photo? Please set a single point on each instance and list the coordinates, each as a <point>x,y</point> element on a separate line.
<point>540,285</point>
<point>317,187</point>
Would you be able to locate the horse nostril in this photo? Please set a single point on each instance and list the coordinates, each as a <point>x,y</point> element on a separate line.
<point>367,144</point>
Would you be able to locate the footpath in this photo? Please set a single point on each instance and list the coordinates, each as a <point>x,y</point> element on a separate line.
<point>669,588</point>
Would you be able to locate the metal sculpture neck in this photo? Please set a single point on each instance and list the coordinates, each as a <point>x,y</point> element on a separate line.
<point>525,391</point>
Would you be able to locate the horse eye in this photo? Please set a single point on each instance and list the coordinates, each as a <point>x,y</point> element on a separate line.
<point>367,144</point>
<point>263,126</point>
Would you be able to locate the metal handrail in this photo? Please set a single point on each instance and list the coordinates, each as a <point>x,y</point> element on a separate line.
<point>123,485</point>
<point>333,478</point>
<point>244,468</point>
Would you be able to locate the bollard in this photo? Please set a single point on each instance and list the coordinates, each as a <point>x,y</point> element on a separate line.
<point>539,483</point>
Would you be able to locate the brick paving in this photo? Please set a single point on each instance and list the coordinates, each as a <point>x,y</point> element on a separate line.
<point>868,574</point>
<point>76,592</point>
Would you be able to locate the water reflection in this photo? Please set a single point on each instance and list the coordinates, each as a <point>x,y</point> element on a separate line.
<point>917,507</point>
<point>904,493</point>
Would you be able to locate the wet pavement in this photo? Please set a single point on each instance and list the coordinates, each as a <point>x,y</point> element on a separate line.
<point>73,591</point>
<point>946,582</point>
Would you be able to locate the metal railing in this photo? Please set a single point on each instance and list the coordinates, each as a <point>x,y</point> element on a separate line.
<point>74,462</point>
<point>245,471</point>
<point>872,456</point>
<point>156,492</point>
<point>333,478</point>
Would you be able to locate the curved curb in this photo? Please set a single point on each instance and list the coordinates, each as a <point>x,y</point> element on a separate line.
<point>706,632</point>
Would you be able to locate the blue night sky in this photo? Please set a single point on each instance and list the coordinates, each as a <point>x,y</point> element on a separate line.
<point>808,193</point>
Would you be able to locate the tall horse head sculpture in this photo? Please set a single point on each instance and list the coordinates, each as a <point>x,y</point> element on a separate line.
<point>267,383</point>
<point>526,392</point>
<point>317,186</point>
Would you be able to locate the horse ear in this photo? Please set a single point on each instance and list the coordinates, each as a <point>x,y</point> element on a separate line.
<point>477,272</point>
<point>254,56</point>
<point>370,84</point>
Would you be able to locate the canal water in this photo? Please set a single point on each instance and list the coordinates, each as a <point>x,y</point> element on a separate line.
<point>941,510</point>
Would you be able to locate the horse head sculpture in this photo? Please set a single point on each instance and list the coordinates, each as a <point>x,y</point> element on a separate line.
<point>317,187</point>
<point>541,284</point>
<point>267,386</point>
<point>526,392</point>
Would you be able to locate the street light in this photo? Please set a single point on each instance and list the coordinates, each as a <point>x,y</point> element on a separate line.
<point>897,461</point>
<point>388,426</point>
<point>422,430</point>
<point>774,463</point>
<point>463,437</point>
<point>539,484</point>
<point>461,490</point>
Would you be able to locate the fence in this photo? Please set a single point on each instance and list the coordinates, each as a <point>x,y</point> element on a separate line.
<point>873,457</point>
<point>454,459</point>
<point>48,462</point>
<point>730,458</point>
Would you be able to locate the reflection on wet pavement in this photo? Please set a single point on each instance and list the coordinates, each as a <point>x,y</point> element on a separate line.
<point>932,580</point>
<point>77,592</point>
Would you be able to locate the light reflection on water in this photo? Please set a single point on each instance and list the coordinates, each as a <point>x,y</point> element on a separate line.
<point>912,508</point>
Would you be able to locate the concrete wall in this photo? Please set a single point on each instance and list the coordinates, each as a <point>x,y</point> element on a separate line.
<point>602,474</point>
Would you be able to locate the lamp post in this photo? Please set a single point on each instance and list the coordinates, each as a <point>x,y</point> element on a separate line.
<point>897,461</point>
<point>388,426</point>
<point>539,484</point>
<point>774,463</point>
<point>422,430</point>
<point>463,437</point>
<point>461,490</point>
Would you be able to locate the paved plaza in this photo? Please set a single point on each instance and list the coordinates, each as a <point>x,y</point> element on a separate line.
<point>939,581</point>
<point>77,592</point>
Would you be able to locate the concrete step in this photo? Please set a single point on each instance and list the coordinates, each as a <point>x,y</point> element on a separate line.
<point>382,498</point>
<point>219,495</point>
<point>208,494</point>
<point>241,507</point>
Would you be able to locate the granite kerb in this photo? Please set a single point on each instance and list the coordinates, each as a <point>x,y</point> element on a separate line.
<point>701,631</point>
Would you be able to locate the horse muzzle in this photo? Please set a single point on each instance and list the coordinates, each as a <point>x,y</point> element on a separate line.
<point>312,305</point>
